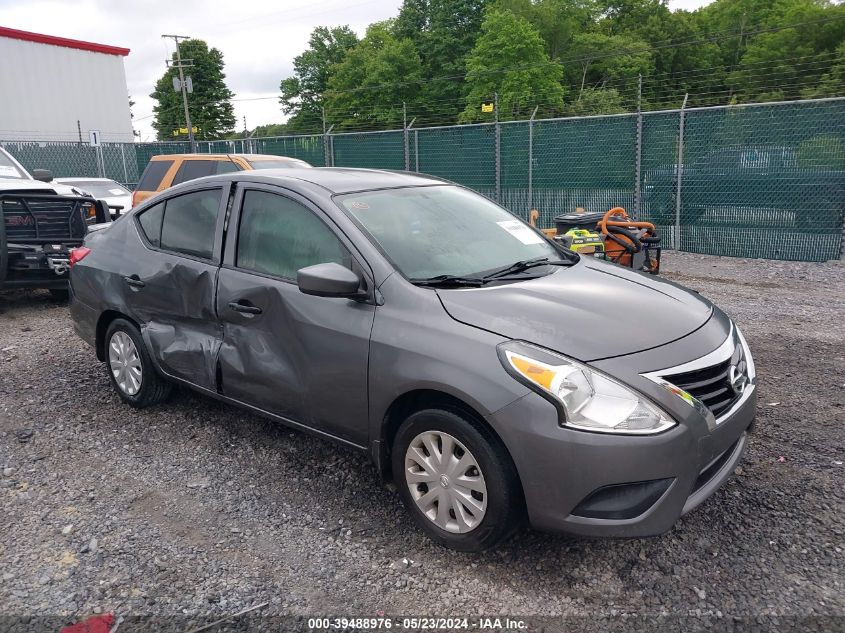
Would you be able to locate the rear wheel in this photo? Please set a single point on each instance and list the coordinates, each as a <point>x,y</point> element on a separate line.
<point>130,368</point>
<point>456,480</point>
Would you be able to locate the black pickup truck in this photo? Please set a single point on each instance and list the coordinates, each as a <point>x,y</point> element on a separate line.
<point>38,232</point>
<point>746,183</point>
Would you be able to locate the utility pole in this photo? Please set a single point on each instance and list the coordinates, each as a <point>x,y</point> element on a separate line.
<point>180,65</point>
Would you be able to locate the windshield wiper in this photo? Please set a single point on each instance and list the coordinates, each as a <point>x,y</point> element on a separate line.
<point>525,264</point>
<point>448,280</point>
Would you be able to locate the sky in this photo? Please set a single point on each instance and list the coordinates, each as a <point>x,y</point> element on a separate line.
<point>258,38</point>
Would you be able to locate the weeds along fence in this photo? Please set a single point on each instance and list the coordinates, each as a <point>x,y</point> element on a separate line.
<point>755,180</point>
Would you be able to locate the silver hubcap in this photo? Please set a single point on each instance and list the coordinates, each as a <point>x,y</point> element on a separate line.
<point>445,482</point>
<point>125,364</point>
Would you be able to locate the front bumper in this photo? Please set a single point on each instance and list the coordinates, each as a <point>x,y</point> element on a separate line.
<point>561,468</point>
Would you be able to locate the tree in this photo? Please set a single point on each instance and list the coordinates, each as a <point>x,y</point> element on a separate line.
<point>780,64</point>
<point>604,59</point>
<point>509,58</point>
<point>302,94</point>
<point>832,83</point>
<point>558,21</point>
<point>595,101</point>
<point>443,33</point>
<point>210,104</point>
<point>376,77</point>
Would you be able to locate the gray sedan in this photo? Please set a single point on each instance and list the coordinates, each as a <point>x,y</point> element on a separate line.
<point>491,374</point>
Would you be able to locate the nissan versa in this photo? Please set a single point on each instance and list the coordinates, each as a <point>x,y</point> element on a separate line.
<point>490,373</point>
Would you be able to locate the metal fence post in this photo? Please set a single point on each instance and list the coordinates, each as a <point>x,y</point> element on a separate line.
<point>498,148</point>
<point>680,174</point>
<point>531,159</point>
<point>407,147</point>
<point>327,148</point>
<point>101,163</point>
<point>417,151</point>
<point>639,151</point>
<point>123,160</point>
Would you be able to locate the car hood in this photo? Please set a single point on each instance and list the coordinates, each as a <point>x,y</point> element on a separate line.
<point>20,184</point>
<point>588,311</point>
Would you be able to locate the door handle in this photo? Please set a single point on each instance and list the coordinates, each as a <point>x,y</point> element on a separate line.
<point>244,308</point>
<point>134,281</point>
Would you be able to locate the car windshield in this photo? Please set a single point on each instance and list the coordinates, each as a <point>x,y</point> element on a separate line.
<point>434,231</point>
<point>9,170</point>
<point>99,188</point>
<point>278,164</point>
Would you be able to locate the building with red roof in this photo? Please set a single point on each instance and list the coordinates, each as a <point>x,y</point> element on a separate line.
<point>59,89</point>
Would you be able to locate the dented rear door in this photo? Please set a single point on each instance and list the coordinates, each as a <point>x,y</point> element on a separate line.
<point>171,290</point>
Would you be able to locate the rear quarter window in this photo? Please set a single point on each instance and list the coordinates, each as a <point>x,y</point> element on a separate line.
<point>150,221</point>
<point>153,175</point>
<point>226,167</point>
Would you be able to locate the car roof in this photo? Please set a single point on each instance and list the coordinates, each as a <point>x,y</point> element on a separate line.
<point>336,180</point>
<point>224,156</point>
<point>86,178</point>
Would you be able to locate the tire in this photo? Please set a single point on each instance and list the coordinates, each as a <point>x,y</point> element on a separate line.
<point>60,294</point>
<point>489,516</point>
<point>141,388</point>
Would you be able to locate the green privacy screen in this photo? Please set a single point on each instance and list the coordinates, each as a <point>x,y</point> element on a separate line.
<point>764,181</point>
<point>760,180</point>
<point>375,150</point>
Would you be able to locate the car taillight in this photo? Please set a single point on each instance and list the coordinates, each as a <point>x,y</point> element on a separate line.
<point>78,254</point>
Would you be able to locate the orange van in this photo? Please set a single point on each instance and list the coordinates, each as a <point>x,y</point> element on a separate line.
<point>167,170</point>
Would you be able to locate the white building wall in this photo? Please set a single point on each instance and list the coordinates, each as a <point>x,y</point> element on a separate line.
<point>46,89</point>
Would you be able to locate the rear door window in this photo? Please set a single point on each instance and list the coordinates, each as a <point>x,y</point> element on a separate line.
<point>153,175</point>
<point>192,169</point>
<point>190,221</point>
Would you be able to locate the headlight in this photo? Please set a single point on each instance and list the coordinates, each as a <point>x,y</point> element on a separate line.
<point>591,401</point>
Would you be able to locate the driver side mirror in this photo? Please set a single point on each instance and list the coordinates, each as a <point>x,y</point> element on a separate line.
<point>44,175</point>
<point>329,280</point>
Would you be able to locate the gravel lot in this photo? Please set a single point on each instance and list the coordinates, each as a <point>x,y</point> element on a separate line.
<point>195,508</point>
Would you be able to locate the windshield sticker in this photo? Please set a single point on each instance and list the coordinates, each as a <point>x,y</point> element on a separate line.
<point>8,170</point>
<point>116,192</point>
<point>521,232</point>
<point>357,204</point>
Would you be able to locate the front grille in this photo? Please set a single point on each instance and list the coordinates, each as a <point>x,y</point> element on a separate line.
<point>712,385</point>
<point>41,218</point>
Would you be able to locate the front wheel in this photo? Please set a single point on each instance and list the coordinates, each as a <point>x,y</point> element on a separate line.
<point>456,480</point>
<point>130,368</point>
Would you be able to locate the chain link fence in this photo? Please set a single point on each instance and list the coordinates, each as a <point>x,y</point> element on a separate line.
<point>755,180</point>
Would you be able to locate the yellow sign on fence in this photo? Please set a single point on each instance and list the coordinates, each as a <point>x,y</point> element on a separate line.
<point>184,130</point>
<point>487,106</point>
